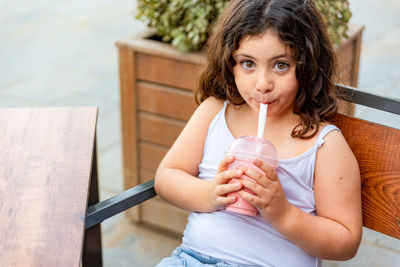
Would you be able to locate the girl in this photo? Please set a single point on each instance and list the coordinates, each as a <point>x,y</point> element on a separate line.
<point>275,52</point>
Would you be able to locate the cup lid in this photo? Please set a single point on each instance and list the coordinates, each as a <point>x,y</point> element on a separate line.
<point>250,147</point>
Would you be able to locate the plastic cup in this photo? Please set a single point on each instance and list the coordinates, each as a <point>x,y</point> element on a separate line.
<point>245,149</point>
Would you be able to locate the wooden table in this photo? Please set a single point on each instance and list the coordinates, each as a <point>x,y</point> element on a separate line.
<point>47,160</point>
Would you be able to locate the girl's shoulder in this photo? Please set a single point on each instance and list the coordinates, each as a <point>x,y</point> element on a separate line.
<point>334,142</point>
<point>205,112</point>
<point>213,102</point>
<point>210,106</point>
<point>329,132</point>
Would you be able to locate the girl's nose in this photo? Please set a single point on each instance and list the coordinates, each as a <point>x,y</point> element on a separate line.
<point>264,84</point>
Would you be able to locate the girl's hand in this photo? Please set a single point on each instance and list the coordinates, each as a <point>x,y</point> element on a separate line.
<point>268,198</point>
<point>220,187</point>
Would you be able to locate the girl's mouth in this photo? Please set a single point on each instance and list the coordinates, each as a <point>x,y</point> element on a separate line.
<point>267,102</point>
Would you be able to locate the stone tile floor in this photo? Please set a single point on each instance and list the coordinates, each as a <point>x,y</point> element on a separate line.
<point>63,54</point>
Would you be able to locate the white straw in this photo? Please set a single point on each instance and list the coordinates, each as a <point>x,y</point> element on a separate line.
<point>262,118</point>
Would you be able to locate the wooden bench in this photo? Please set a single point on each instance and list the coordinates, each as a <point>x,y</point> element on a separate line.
<point>376,147</point>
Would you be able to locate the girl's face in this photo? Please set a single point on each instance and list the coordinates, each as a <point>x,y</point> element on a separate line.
<point>264,72</point>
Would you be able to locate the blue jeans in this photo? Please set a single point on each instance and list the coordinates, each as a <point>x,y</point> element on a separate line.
<point>186,257</point>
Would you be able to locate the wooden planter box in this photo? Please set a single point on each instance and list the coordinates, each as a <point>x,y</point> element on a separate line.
<point>156,90</point>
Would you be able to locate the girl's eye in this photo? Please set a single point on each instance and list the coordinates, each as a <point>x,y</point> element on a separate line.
<point>248,65</point>
<point>281,66</point>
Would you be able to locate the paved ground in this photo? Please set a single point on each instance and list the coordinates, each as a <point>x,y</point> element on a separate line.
<point>63,54</point>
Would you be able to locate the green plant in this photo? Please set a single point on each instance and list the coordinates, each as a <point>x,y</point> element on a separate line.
<point>336,14</point>
<point>186,23</point>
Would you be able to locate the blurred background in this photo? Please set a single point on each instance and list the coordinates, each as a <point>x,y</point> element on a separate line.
<point>63,53</point>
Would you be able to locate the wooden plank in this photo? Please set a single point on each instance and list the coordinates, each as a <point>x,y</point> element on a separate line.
<point>346,57</point>
<point>357,55</point>
<point>45,167</point>
<point>345,78</point>
<point>150,155</point>
<point>377,149</point>
<point>348,63</point>
<point>146,175</point>
<point>168,72</point>
<point>128,116</point>
<point>142,43</point>
<point>165,101</point>
<point>129,122</point>
<point>158,129</point>
<point>353,33</point>
<point>160,214</point>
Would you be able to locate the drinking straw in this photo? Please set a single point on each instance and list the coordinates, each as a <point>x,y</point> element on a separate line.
<point>262,118</point>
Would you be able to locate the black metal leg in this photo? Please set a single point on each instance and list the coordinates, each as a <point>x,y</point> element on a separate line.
<point>92,252</point>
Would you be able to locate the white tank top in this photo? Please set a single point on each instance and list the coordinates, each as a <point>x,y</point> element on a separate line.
<point>245,240</point>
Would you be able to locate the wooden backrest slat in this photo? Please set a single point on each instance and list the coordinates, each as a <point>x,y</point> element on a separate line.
<point>377,149</point>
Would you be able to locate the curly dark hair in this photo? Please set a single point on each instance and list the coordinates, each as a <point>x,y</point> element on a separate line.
<point>299,25</point>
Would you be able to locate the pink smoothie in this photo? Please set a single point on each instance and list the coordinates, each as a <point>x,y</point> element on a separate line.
<point>245,149</point>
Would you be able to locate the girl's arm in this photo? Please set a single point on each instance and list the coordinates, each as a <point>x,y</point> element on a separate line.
<point>176,179</point>
<point>335,232</point>
<point>337,192</point>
